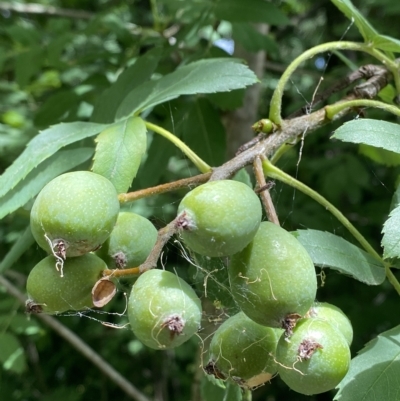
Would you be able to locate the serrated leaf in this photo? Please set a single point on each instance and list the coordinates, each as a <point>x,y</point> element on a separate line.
<point>20,246</point>
<point>374,372</point>
<point>43,146</point>
<point>204,76</point>
<point>30,186</point>
<point>379,155</point>
<point>391,235</point>
<point>250,11</point>
<point>119,152</point>
<point>329,250</point>
<point>387,43</point>
<point>12,354</point>
<point>366,30</point>
<point>106,107</point>
<point>378,133</point>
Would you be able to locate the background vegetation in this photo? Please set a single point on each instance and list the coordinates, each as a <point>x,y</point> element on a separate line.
<point>55,65</point>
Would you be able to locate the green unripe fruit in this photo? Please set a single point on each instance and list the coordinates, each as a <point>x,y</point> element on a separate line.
<point>222,217</point>
<point>273,277</point>
<point>52,293</point>
<point>75,212</point>
<point>163,310</point>
<point>316,358</point>
<point>130,242</point>
<point>243,351</point>
<point>334,316</point>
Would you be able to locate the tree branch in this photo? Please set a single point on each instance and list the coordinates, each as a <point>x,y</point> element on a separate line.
<point>32,8</point>
<point>80,345</point>
<point>293,129</point>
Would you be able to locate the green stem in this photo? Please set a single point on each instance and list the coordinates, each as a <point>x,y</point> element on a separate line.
<point>276,101</point>
<point>331,110</point>
<point>156,16</point>
<point>274,172</point>
<point>197,161</point>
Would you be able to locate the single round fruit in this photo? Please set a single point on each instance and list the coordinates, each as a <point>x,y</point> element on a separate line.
<point>51,293</point>
<point>75,213</point>
<point>273,279</point>
<point>222,217</point>
<point>316,358</point>
<point>130,242</point>
<point>163,310</point>
<point>243,351</point>
<point>334,316</point>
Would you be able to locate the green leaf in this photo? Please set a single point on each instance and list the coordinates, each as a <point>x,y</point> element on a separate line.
<point>55,107</point>
<point>391,235</point>
<point>386,43</point>
<point>119,151</point>
<point>12,354</point>
<point>380,134</point>
<point>43,146</point>
<point>32,184</point>
<point>227,100</point>
<point>23,243</point>
<point>381,156</point>
<point>251,39</point>
<point>374,372</point>
<point>366,30</point>
<point>204,133</point>
<point>250,11</point>
<point>329,250</point>
<point>243,176</point>
<point>106,107</point>
<point>232,392</point>
<point>203,76</point>
<point>212,389</point>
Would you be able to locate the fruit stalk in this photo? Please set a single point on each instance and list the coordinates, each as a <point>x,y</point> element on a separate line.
<point>197,161</point>
<point>263,190</point>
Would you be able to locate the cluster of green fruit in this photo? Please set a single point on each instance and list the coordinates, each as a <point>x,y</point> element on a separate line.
<point>76,218</point>
<point>272,278</point>
<point>273,281</point>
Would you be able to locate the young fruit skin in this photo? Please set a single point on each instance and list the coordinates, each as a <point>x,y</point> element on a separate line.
<point>130,242</point>
<point>56,294</point>
<point>273,277</point>
<point>326,367</point>
<point>223,217</point>
<point>79,208</point>
<point>243,350</point>
<point>163,310</point>
<point>334,316</point>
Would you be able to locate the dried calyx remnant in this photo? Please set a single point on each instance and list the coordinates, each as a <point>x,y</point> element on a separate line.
<point>175,324</point>
<point>289,322</point>
<point>307,348</point>
<point>33,307</point>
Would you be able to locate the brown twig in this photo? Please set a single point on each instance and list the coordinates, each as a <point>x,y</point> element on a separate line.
<point>298,127</point>
<point>263,190</point>
<point>79,345</point>
<point>163,188</point>
<point>374,73</point>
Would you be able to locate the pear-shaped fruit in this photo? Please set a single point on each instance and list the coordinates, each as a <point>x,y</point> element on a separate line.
<point>163,310</point>
<point>51,293</point>
<point>334,316</point>
<point>222,217</point>
<point>243,351</point>
<point>74,213</point>
<point>130,242</point>
<point>273,279</point>
<point>316,358</point>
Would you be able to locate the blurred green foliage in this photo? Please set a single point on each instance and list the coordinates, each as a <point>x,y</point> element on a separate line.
<point>54,69</point>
